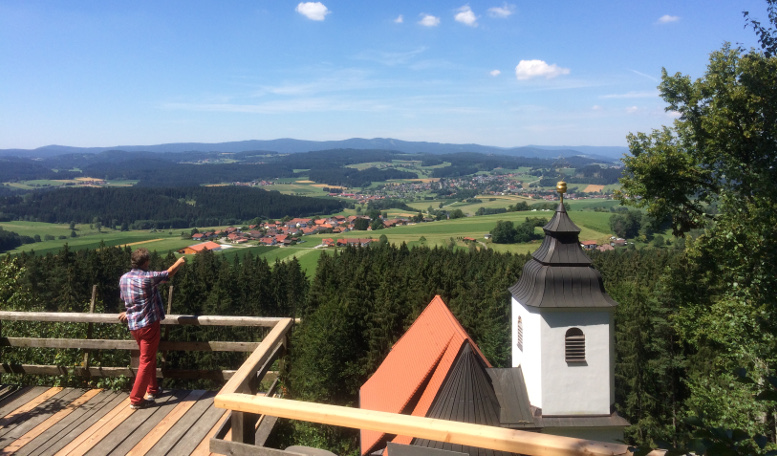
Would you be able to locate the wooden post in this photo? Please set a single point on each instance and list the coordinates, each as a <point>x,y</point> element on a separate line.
<point>244,427</point>
<point>89,330</point>
<point>166,334</point>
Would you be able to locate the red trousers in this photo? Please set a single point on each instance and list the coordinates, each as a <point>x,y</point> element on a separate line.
<point>145,380</point>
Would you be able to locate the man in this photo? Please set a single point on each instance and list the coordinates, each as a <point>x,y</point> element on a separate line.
<point>143,316</point>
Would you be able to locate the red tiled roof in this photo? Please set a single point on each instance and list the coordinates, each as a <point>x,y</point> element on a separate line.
<point>210,245</point>
<point>422,357</point>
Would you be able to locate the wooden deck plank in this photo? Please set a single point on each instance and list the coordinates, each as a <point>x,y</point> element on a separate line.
<point>200,433</point>
<point>166,424</point>
<point>14,438</point>
<point>187,425</point>
<point>45,421</point>
<point>5,391</point>
<point>23,410</point>
<point>72,425</point>
<point>98,430</point>
<point>203,448</point>
<point>82,398</point>
<point>19,398</point>
<point>59,435</point>
<point>132,430</point>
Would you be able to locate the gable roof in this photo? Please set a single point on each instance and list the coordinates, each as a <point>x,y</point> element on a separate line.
<point>210,245</point>
<point>410,377</point>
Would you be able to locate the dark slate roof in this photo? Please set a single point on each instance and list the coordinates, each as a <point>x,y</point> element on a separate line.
<point>561,224</point>
<point>467,396</point>
<point>560,275</point>
<point>510,389</point>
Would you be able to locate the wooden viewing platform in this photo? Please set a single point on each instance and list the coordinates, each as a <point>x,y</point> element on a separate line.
<point>73,421</point>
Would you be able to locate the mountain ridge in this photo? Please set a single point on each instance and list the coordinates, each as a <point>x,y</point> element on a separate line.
<point>289,146</point>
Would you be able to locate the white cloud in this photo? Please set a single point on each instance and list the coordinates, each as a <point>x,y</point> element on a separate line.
<point>665,19</point>
<point>399,19</point>
<point>427,20</point>
<point>315,11</point>
<point>632,109</point>
<point>466,16</point>
<point>501,11</point>
<point>528,69</point>
<point>596,108</point>
<point>495,73</point>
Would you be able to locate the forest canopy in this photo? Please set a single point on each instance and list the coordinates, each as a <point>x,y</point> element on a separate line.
<point>179,207</point>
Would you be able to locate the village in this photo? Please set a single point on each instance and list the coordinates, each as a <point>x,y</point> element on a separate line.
<point>287,233</point>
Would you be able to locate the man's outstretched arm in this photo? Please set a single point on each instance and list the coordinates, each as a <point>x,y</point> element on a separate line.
<point>174,268</point>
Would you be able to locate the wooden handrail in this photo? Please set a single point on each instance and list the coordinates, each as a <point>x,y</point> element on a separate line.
<point>113,344</point>
<point>126,344</point>
<point>476,435</point>
<point>248,377</point>
<point>194,320</point>
<point>263,353</point>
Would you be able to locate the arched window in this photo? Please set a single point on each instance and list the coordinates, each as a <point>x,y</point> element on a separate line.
<point>519,335</point>
<point>574,344</point>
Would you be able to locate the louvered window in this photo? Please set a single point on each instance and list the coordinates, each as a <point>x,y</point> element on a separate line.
<point>519,335</point>
<point>575,346</point>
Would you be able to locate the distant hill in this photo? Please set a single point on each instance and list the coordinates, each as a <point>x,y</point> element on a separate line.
<point>287,146</point>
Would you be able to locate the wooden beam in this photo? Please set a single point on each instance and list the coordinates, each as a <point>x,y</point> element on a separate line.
<point>96,371</point>
<point>475,435</point>
<point>273,342</point>
<point>195,320</point>
<point>110,344</point>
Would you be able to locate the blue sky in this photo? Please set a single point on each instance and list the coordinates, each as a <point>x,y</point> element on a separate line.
<point>96,73</point>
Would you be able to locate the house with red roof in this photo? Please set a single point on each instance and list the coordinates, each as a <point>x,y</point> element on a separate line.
<point>210,245</point>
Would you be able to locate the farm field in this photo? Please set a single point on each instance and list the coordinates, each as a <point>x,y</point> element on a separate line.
<point>593,225</point>
<point>160,241</point>
<point>50,183</point>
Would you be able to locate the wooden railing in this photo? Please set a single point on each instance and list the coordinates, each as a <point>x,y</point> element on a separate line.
<point>89,344</point>
<point>245,382</point>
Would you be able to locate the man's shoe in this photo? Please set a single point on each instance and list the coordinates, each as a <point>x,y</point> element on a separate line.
<point>142,404</point>
<point>150,397</point>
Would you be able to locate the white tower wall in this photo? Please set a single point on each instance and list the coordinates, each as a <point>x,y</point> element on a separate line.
<point>577,388</point>
<point>530,358</point>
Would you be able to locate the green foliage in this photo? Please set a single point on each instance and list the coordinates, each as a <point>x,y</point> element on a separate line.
<point>626,225</point>
<point>506,233</point>
<point>714,171</point>
<point>361,224</point>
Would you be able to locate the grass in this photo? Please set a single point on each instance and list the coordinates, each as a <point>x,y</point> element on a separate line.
<point>594,226</point>
<point>44,183</point>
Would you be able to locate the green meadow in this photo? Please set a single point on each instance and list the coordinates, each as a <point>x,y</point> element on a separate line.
<point>594,225</point>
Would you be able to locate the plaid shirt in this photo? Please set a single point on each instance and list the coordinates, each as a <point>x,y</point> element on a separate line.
<point>141,297</point>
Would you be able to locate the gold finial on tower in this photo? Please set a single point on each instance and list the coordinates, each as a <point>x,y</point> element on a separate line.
<point>561,188</point>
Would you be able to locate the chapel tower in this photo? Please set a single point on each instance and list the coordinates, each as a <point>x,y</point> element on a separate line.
<point>563,334</point>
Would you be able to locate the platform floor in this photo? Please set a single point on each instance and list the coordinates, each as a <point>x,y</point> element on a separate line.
<point>71,421</point>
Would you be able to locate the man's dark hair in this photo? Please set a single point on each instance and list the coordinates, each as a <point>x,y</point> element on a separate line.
<point>139,257</point>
